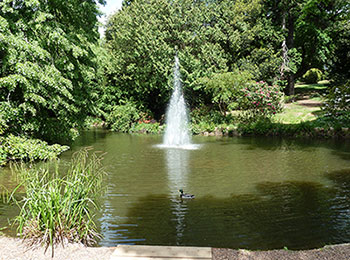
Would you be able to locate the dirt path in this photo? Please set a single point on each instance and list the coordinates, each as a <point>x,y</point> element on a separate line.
<point>336,252</point>
<point>15,249</point>
<point>309,103</point>
<point>306,102</point>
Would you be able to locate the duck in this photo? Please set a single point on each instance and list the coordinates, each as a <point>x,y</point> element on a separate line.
<point>185,195</point>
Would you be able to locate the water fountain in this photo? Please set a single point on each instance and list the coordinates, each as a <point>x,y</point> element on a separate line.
<point>177,134</point>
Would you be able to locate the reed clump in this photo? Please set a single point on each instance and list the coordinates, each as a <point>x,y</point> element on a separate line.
<point>58,207</point>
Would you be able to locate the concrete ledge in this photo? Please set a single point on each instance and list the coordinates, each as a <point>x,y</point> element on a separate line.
<point>128,252</point>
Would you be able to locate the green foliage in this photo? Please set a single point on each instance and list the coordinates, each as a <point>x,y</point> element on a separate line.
<point>317,128</point>
<point>46,69</point>
<point>208,114</point>
<point>123,117</point>
<point>22,148</point>
<point>312,76</point>
<point>261,100</point>
<point>337,104</point>
<point>339,61</point>
<point>147,127</point>
<point>207,119</point>
<point>3,155</point>
<point>311,29</point>
<point>225,87</point>
<point>58,209</point>
<point>211,37</point>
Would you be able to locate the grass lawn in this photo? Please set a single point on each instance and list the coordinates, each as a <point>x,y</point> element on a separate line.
<point>309,98</point>
<point>296,112</point>
<point>312,90</point>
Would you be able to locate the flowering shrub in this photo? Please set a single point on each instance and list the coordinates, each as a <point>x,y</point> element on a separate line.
<point>262,100</point>
<point>337,104</point>
<point>146,125</point>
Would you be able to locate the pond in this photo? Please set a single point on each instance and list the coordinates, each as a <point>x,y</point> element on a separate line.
<point>253,193</point>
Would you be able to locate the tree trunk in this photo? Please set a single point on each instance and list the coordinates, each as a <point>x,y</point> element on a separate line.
<point>285,60</point>
<point>291,84</point>
<point>290,44</point>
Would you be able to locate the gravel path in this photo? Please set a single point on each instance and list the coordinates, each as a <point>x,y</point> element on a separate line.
<point>336,252</point>
<point>16,249</point>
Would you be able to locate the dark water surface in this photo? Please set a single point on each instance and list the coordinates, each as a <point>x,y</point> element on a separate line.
<point>254,193</point>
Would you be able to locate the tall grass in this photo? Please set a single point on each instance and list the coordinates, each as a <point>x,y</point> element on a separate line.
<point>57,208</point>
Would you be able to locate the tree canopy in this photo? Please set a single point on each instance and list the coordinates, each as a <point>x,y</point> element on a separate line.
<point>54,69</point>
<point>47,71</point>
<point>210,37</point>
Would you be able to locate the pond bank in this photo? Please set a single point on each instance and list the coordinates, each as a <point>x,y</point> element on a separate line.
<point>17,249</point>
<point>334,252</point>
<point>14,248</point>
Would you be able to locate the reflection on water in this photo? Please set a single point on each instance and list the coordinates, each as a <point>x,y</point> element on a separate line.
<point>177,167</point>
<point>298,215</point>
<point>256,193</point>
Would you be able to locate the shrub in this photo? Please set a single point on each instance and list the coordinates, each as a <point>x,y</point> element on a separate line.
<point>206,119</point>
<point>312,76</point>
<point>26,149</point>
<point>3,124</point>
<point>261,100</point>
<point>58,209</point>
<point>3,156</point>
<point>123,117</point>
<point>337,104</point>
<point>208,114</point>
<point>147,127</point>
<point>224,88</point>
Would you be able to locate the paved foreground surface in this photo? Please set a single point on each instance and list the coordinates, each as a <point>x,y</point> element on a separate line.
<point>126,252</point>
<point>15,249</point>
<point>336,252</point>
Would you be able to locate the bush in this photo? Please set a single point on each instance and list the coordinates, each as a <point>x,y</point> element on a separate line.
<point>337,105</point>
<point>58,209</point>
<point>3,156</point>
<point>123,117</point>
<point>206,119</point>
<point>261,100</point>
<point>147,127</point>
<point>208,114</point>
<point>224,88</point>
<point>22,148</point>
<point>312,76</point>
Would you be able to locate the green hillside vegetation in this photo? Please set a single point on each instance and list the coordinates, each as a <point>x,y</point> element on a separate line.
<point>242,64</point>
<point>240,61</point>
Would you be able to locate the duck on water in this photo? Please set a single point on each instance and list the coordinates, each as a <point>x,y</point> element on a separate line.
<point>185,195</point>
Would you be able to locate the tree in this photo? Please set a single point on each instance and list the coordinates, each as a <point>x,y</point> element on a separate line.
<point>247,38</point>
<point>226,88</point>
<point>142,38</point>
<point>339,63</point>
<point>308,40</point>
<point>211,37</point>
<point>46,68</point>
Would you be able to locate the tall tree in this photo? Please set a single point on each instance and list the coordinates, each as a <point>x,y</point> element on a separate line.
<point>46,73</point>
<point>339,63</point>
<point>307,42</point>
<point>211,37</point>
<point>142,38</point>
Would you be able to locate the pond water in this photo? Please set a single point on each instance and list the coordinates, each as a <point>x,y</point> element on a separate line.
<point>253,193</point>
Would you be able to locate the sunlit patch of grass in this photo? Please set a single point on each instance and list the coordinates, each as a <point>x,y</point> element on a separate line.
<point>295,113</point>
<point>57,208</point>
<point>317,86</point>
